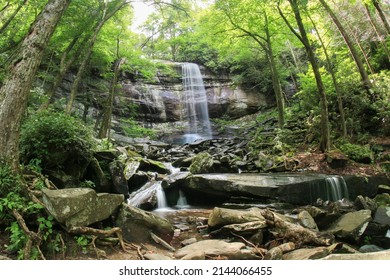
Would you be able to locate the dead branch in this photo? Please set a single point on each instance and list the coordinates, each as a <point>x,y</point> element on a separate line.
<point>294,232</point>
<point>261,251</point>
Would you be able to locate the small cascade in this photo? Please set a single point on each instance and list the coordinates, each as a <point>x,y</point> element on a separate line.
<point>330,188</point>
<point>148,194</point>
<point>182,201</point>
<point>336,188</point>
<point>194,101</point>
<point>161,198</point>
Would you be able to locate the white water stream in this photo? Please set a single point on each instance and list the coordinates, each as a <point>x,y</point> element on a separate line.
<point>195,108</point>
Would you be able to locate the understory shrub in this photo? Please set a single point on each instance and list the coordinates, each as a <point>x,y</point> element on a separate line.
<point>55,137</point>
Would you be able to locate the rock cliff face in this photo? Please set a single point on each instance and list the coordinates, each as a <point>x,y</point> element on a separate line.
<point>160,101</point>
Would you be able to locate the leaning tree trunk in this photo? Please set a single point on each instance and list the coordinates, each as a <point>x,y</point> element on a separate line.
<point>339,95</point>
<point>108,12</point>
<point>302,36</point>
<point>381,15</point>
<point>105,127</point>
<point>348,41</point>
<point>20,74</point>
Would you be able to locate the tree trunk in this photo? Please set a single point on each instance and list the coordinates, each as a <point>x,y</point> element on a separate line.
<point>66,62</point>
<point>302,36</point>
<point>377,31</point>
<point>21,71</point>
<point>275,75</point>
<point>381,15</point>
<point>107,113</point>
<point>108,12</point>
<point>334,80</point>
<point>362,71</point>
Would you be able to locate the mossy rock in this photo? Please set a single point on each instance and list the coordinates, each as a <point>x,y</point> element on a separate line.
<point>382,199</point>
<point>202,163</point>
<point>357,153</point>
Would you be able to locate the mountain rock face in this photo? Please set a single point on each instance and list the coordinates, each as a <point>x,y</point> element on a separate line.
<point>159,101</point>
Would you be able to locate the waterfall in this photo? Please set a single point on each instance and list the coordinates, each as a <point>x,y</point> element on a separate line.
<point>182,201</point>
<point>330,188</point>
<point>194,101</point>
<point>336,188</point>
<point>161,198</point>
<point>147,193</point>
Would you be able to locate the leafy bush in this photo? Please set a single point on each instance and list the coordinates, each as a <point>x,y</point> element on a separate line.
<point>357,153</point>
<point>54,137</point>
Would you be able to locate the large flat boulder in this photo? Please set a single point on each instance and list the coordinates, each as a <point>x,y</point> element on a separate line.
<point>78,207</point>
<point>383,255</point>
<point>216,248</point>
<point>299,189</point>
<point>350,226</point>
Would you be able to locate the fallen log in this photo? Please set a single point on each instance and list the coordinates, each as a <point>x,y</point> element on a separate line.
<point>289,232</point>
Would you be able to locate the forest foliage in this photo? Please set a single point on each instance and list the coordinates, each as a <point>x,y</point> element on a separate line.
<point>326,64</point>
<point>327,60</point>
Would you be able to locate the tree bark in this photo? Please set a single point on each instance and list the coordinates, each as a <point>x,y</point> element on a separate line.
<point>108,12</point>
<point>105,127</point>
<point>302,36</point>
<point>381,15</point>
<point>334,80</point>
<point>20,74</point>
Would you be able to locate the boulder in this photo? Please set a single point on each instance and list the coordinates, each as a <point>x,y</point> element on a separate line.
<point>156,257</point>
<point>79,207</point>
<point>336,159</point>
<point>202,163</point>
<point>382,215</point>
<point>350,226</point>
<point>118,178</point>
<point>131,167</point>
<point>137,224</point>
<point>383,255</point>
<point>307,254</point>
<point>306,220</point>
<point>216,248</point>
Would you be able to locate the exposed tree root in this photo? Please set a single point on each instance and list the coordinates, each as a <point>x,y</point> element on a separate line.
<point>33,239</point>
<point>100,233</point>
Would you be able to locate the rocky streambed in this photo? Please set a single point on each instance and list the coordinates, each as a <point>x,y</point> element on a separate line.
<point>234,208</point>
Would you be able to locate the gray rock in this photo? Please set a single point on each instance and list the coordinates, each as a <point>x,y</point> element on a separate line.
<point>351,225</point>
<point>156,257</point>
<point>306,220</point>
<point>118,178</point>
<point>382,215</point>
<point>202,163</point>
<point>383,255</point>
<point>189,241</point>
<point>216,248</point>
<point>131,167</point>
<point>80,206</point>
<point>307,254</point>
<point>370,248</point>
<point>136,224</point>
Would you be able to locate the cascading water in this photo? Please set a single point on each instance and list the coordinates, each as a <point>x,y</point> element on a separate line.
<point>330,188</point>
<point>194,101</point>
<point>336,188</point>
